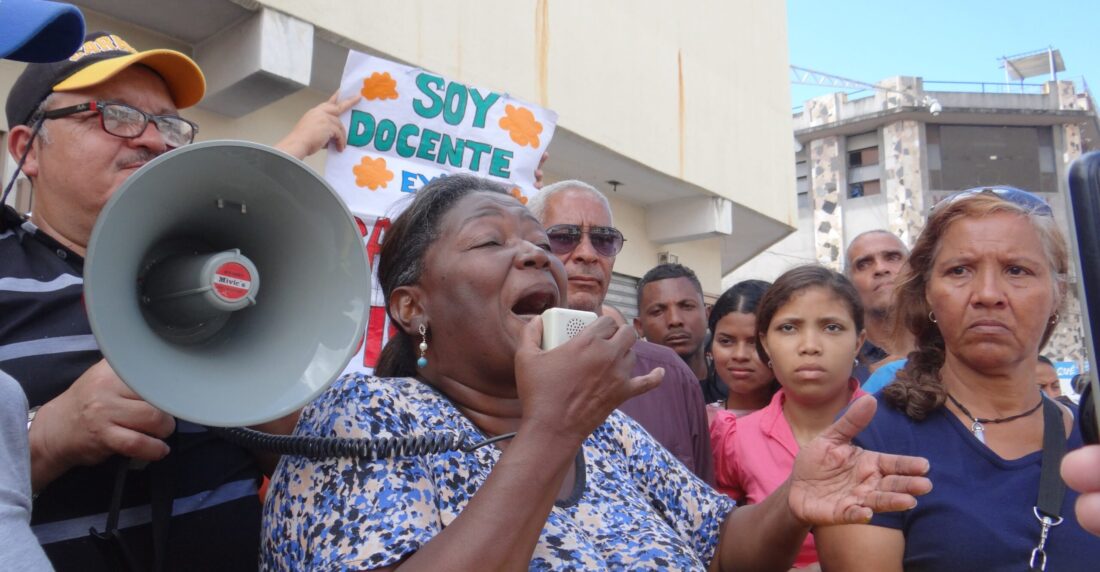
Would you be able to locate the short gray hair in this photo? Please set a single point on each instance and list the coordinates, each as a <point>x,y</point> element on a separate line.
<point>43,133</point>
<point>848,254</point>
<point>537,204</point>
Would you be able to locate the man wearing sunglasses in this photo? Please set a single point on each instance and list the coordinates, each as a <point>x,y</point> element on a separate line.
<point>79,128</point>
<point>578,222</point>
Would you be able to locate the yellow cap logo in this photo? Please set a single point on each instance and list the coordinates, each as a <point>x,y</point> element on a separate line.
<point>111,43</point>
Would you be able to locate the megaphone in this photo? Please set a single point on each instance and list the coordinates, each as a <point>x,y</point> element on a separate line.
<point>226,283</point>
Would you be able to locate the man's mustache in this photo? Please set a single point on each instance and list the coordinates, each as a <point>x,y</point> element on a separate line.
<point>140,156</point>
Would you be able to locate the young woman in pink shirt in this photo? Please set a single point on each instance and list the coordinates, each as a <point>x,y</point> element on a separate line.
<point>809,328</point>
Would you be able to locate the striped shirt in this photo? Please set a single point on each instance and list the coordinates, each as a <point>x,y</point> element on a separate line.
<point>46,343</point>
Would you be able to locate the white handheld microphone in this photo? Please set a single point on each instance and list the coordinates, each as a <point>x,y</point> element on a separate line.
<point>559,325</point>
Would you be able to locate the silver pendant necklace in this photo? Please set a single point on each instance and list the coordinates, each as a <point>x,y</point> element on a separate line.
<point>977,426</point>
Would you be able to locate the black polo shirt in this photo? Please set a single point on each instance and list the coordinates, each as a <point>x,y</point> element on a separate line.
<point>208,485</point>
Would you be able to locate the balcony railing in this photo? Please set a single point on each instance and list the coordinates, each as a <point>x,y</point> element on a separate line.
<point>985,87</point>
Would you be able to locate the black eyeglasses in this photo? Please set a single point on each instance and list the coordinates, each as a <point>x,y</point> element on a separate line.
<point>1018,197</point>
<point>564,238</point>
<point>128,122</point>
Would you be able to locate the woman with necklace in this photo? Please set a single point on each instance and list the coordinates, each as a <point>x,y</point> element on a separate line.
<point>981,295</point>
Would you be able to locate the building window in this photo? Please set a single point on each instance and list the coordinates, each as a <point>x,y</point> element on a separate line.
<point>856,190</point>
<point>622,294</point>
<point>864,170</point>
<point>979,155</point>
<point>863,157</point>
<point>802,177</point>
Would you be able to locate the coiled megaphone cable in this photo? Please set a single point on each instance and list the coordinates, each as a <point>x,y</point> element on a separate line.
<point>366,448</point>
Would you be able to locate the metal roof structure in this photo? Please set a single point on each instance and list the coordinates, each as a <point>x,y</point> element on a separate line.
<point>1040,62</point>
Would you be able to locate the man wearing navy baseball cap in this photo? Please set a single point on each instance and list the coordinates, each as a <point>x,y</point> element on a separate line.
<point>74,182</point>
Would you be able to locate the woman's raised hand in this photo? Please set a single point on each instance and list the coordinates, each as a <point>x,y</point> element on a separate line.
<point>836,482</point>
<point>572,388</point>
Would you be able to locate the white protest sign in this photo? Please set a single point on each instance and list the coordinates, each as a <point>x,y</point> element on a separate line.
<point>413,126</point>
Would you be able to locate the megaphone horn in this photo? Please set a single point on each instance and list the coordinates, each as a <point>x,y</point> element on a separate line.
<point>173,283</point>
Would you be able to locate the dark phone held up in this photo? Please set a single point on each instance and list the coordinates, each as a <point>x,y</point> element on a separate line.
<point>1084,194</point>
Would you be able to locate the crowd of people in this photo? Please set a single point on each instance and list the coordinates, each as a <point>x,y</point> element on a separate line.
<point>739,436</point>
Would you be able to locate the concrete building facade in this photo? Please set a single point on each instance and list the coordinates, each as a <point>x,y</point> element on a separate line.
<point>883,160</point>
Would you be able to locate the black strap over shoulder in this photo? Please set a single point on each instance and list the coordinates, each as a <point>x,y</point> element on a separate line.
<point>1052,490</point>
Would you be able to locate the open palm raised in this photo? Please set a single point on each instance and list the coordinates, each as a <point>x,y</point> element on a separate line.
<point>836,482</point>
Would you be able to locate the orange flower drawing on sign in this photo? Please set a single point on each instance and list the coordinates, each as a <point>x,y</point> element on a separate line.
<point>372,173</point>
<point>520,123</point>
<point>379,86</point>
<point>519,195</point>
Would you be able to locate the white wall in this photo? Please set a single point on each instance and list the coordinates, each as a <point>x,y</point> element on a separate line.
<point>697,90</point>
<point>639,254</point>
<point>794,250</point>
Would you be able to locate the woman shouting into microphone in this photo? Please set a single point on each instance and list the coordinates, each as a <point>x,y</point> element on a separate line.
<point>466,272</point>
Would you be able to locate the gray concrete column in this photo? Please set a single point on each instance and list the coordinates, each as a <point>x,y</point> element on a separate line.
<point>826,184</point>
<point>1068,340</point>
<point>904,179</point>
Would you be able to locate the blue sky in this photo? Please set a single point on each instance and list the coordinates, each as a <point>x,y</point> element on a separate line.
<point>960,40</point>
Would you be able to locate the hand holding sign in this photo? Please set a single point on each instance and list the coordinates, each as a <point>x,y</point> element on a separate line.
<point>317,128</point>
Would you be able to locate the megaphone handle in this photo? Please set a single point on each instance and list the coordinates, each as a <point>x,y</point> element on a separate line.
<point>367,448</point>
<point>110,542</point>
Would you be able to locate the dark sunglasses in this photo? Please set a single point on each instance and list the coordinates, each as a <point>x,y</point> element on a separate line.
<point>129,122</point>
<point>564,238</point>
<point>1028,201</point>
